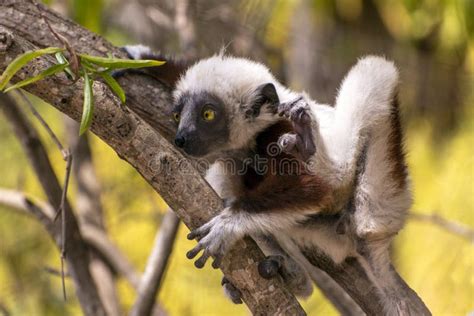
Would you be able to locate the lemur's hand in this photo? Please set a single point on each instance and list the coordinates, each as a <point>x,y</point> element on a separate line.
<point>300,143</point>
<point>215,238</point>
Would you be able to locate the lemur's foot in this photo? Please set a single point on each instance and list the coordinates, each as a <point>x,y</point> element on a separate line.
<point>231,291</point>
<point>270,266</point>
<point>293,275</point>
<point>301,142</point>
<point>215,238</point>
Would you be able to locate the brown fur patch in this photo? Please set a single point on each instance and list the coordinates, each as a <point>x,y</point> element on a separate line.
<point>395,144</point>
<point>169,72</point>
<point>285,184</point>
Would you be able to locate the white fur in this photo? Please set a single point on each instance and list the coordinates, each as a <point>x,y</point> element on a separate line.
<point>362,114</point>
<point>137,51</point>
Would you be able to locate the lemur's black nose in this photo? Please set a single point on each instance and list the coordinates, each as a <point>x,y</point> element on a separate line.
<point>179,141</point>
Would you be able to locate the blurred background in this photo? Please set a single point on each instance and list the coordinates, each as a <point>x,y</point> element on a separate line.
<point>309,45</point>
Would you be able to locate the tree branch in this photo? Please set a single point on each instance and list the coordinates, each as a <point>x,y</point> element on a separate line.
<point>155,159</point>
<point>156,265</point>
<point>101,243</point>
<point>448,225</point>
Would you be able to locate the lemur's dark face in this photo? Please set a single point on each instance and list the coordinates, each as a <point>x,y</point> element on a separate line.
<point>202,123</point>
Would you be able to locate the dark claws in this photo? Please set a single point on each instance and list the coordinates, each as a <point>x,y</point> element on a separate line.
<point>198,233</point>
<point>199,263</point>
<point>193,252</point>
<point>217,262</point>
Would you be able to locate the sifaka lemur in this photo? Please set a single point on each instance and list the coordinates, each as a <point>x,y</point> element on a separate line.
<point>294,173</point>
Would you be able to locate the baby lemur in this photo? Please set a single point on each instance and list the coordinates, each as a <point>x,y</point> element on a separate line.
<point>293,172</point>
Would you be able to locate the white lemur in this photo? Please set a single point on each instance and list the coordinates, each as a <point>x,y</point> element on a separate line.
<point>337,179</point>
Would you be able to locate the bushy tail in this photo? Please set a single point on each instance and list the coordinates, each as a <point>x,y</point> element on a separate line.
<point>364,100</point>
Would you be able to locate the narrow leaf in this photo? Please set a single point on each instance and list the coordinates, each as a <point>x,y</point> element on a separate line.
<point>62,60</point>
<point>48,72</point>
<point>113,85</point>
<point>88,107</point>
<point>116,63</point>
<point>21,61</point>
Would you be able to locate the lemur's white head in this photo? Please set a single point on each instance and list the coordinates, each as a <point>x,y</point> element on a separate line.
<point>221,103</point>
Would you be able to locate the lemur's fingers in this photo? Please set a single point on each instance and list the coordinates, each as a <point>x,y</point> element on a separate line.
<point>199,263</point>
<point>199,233</point>
<point>269,267</point>
<point>286,107</point>
<point>217,261</point>
<point>193,252</point>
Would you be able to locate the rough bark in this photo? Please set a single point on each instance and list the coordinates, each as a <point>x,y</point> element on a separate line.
<point>153,157</point>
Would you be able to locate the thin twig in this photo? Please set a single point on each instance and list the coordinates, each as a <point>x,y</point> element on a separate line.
<point>43,123</point>
<point>55,272</point>
<point>67,156</point>
<point>74,62</point>
<point>63,218</point>
<point>448,225</point>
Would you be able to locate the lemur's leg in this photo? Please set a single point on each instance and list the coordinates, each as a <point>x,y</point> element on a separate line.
<point>300,143</point>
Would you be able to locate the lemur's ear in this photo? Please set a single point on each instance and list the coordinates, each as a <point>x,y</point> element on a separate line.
<point>264,94</point>
<point>167,73</point>
<point>267,93</point>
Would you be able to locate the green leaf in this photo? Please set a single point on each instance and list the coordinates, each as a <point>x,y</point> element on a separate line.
<point>116,63</point>
<point>48,72</point>
<point>113,85</point>
<point>21,61</point>
<point>62,60</point>
<point>88,107</point>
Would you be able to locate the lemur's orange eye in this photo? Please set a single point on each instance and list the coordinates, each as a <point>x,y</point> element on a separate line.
<point>176,117</point>
<point>209,115</point>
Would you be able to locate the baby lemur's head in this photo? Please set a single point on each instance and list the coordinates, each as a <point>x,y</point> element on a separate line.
<point>221,103</point>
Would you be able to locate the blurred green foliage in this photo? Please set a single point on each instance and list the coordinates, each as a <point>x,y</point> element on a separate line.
<point>435,263</point>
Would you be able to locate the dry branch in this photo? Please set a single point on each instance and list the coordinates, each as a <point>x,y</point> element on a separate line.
<point>156,265</point>
<point>453,227</point>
